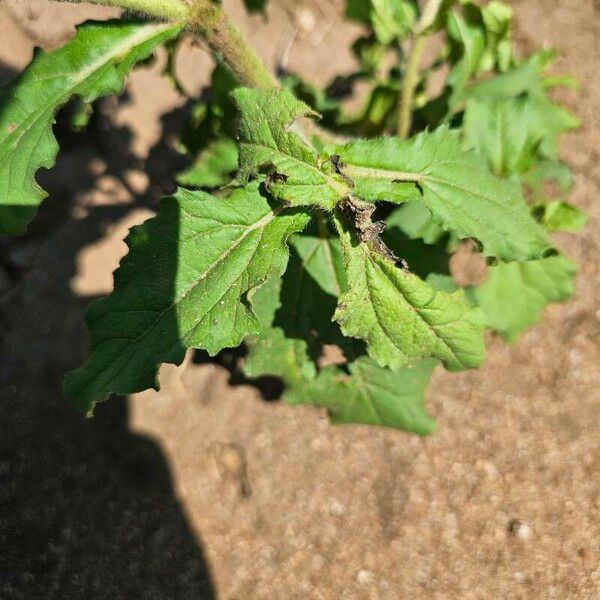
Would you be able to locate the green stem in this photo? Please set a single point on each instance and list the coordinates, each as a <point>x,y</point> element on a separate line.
<point>411,77</point>
<point>409,85</point>
<point>209,20</point>
<point>225,40</point>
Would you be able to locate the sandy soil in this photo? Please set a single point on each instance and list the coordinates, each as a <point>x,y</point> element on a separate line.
<point>205,490</point>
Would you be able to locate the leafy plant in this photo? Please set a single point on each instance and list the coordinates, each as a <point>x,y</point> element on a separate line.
<point>323,247</point>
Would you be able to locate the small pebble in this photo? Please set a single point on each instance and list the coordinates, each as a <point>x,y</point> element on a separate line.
<point>231,462</point>
<point>520,529</point>
<point>364,577</point>
<point>306,19</point>
<point>520,577</point>
<point>337,509</point>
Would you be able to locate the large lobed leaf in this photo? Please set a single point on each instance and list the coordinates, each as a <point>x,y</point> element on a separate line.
<point>185,283</point>
<point>92,64</point>
<point>514,294</point>
<point>511,121</point>
<point>372,395</point>
<point>401,317</point>
<point>295,315</point>
<point>454,185</point>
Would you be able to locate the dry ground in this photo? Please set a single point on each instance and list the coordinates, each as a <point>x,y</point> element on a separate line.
<point>207,491</point>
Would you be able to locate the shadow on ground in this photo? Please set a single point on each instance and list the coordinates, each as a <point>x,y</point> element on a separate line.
<point>87,509</point>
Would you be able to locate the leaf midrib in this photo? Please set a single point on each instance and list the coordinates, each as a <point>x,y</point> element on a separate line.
<point>77,79</point>
<point>418,311</point>
<point>411,177</point>
<point>263,222</point>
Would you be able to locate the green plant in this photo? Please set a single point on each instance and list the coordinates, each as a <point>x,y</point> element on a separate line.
<point>325,248</point>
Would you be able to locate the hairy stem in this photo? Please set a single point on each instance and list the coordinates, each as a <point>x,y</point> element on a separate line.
<point>411,76</point>
<point>225,40</point>
<point>208,19</point>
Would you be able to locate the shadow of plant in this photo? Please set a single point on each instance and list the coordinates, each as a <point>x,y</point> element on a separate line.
<point>87,508</point>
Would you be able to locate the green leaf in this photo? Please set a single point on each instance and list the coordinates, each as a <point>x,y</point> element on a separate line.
<point>514,294</point>
<point>454,185</point>
<point>497,20</point>
<point>213,120</point>
<point>359,10</point>
<point>528,80</point>
<point>416,221</point>
<point>213,167</point>
<point>184,284</point>
<point>300,307</point>
<point>505,132</point>
<point>480,41</point>
<point>269,143</point>
<point>92,64</point>
<point>271,352</point>
<point>372,395</point>
<point>317,98</point>
<point>562,216</point>
<point>401,318</point>
<point>374,116</point>
<point>80,115</point>
<point>467,44</point>
<point>543,171</point>
<point>524,78</point>
<point>369,53</point>
<point>296,314</point>
<point>392,19</point>
<point>511,120</point>
<point>441,282</point>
